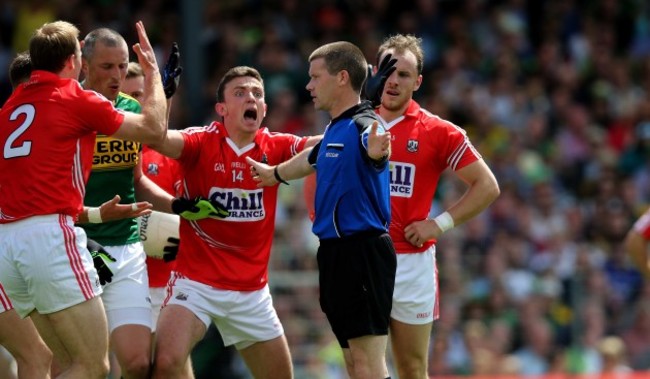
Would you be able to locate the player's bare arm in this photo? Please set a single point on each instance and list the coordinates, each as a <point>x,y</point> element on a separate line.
<point>294,168</point>
<point>171,145</point>
<point>112,210</point>
<point>146,189</point>
<point>150,126</point>
<point>313,140</point>
<point>482,190</point>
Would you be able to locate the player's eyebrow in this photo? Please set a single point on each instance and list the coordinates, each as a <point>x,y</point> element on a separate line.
<point>243,87</point>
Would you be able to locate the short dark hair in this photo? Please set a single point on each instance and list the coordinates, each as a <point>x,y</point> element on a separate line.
<point>236,72</point>
<point>343,55</point>
<point>402,43</point>
<point>20,69</point>
<point>108,37</point>
<point>52,44</point>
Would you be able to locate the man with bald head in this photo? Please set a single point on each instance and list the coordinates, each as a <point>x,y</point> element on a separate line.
<point>117,169</point>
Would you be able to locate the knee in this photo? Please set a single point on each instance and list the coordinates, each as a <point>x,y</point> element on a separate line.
<point>137,367</point>
<point>89,369</point>
<point>412,368</point>
<point>41,355</point>
<point>167,365</point>
<point>102,370</point>
<point>44,356</point>
<point>38,361</point>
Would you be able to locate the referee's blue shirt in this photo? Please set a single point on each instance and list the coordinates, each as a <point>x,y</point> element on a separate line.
<point>352,191</point>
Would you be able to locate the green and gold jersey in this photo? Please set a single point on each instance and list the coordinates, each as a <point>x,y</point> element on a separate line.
<point>112,174</point>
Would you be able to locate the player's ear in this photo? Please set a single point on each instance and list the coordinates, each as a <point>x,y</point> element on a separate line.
<point>265,108</point>
<point>84,66</point>
<point>71,62</point>
<point>418,83</point>
<point>221,109</point>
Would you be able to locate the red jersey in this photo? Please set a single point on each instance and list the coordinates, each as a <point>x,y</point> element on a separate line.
<point>642,225</point>
<point>231,253</point>
<point>166,173</point>
<point>47,132</point>
<point>422,147</point>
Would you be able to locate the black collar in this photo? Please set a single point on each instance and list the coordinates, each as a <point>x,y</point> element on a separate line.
<point>363,106</point>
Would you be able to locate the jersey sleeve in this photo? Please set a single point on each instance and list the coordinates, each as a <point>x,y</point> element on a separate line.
<point>459,150</point>
<point>99,113</point>
<point>192,140</point>
<point>293,144</point>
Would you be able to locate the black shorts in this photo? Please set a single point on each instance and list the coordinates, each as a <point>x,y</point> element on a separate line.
<point>357,279</point>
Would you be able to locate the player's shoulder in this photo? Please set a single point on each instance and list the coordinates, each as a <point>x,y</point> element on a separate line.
<point>265,134</point>
<point>432,122</point>
<point>278,141</point>
<point>213,129</point>
<point>66,88</point>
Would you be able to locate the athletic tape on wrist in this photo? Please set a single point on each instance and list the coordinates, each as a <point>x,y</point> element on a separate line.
<point>444,221</point>
<point>94,215</point>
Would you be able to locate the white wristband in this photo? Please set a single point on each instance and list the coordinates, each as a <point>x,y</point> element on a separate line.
<point>444,221</point>
<point>94,215</point>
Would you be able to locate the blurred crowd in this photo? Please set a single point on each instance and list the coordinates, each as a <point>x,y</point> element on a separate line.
<point>554,95</point>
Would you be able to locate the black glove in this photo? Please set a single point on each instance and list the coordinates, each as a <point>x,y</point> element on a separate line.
<point>374,86</point>
<point>198,208</point>
<point>170,251</point>
<point>100,258</point>
<point>171,74</point>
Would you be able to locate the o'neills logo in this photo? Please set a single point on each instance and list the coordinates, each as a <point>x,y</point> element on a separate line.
<point>143,227</point>
<point>114,154</point>
<point>243,205</point>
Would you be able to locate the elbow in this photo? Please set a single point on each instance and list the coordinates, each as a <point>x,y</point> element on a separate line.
<point>155,134</point>
<point>152,140</point>
<point>492,190</point>
<point>496,191</point>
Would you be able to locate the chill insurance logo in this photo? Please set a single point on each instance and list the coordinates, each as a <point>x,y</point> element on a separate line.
<point>243,205</point>
<point>402,176</point>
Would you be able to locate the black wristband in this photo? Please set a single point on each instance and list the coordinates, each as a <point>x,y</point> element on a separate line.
<point>277,176</point>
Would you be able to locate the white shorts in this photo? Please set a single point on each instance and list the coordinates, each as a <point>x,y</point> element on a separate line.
<point>157,296</point>
<point>242,317</point>
<point>44,264</point>
<point>5,303</point>
<point>126,298</point>
<point>415,298</point>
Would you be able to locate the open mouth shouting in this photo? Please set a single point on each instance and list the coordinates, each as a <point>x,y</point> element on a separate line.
<point>250,114</point>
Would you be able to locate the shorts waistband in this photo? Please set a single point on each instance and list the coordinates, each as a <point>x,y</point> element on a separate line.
<point>353,237</point>
<point>40,219</point>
